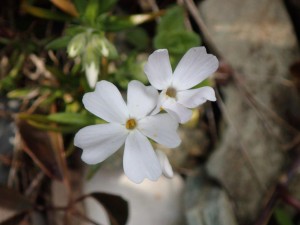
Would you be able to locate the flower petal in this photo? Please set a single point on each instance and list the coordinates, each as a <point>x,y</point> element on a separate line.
<point>100,141</point>
<point>141,100</point>
<point>165,164</point>
<point>162,128</point>
<point>140,160</point>
<point>195,66</point>
<point>107,103</point>
<point>178,111</point>
<point>161,98</point>
<point>158,69</point>
<point>194,97</point>
<point>91,72</point>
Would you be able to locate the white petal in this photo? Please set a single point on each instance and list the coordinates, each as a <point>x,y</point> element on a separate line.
<point>141,100</point>
<point>161,98</point>
<point>178,111</point>
<point>194,97</point>
<point>162,128</point>
<point>107,103</point>
<point>165,164</point>
<point>140,160</point>
<point>158,69</point>
<point>91,72</point>
<point>100,141</point>
<point>195,66</point>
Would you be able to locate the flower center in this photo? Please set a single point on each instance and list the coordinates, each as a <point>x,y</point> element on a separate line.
<point>131,124</point>
<point>171,92</point>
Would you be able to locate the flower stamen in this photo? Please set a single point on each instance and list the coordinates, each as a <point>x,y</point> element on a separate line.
<point>171,92</point>
<point>131,124</point>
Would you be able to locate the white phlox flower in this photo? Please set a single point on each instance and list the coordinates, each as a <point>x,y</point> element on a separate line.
<point>127,123</point>
<point>165,164</point>
<point>91,72</point>
<point>176,96</point>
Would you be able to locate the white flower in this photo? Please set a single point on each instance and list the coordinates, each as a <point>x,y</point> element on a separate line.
<point>176,98</point>
<point>129,124</point>
<point>165,164</point>
<point>91,72</point>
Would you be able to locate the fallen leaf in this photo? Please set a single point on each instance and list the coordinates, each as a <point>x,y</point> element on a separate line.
<point>44,147</point>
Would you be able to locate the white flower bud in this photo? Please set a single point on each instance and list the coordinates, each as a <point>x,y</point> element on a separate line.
<point>91,72</point>
<point>76,45</point>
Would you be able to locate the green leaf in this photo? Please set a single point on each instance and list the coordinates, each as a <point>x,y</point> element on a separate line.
<point>9,82</point>
<point>68,129</point>
<point>172,20</point>
<point>44,148</point>
<point>282,217</point>
<point>130,69</point>
<point>19,93</point>
<point>44,13</point>
<point>106,5</point>
<point>34,117</point>
<point>114,23</point>
<point>72,118</point>
<point>177,42</point>
<point>91,11</point>
<point>80,5</point>
<point>138,38</point>
<point>59,43</point>
<point>74,29</point>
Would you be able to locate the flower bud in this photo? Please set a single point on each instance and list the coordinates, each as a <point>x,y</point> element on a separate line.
<point>76,45</point>
<point>91,72</point>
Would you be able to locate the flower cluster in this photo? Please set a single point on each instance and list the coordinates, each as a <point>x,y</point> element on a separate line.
<point>132,123</point>
<point>89,46</point>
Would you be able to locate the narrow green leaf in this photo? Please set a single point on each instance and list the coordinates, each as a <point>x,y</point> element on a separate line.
<point>17,67</point>
<point>59,43</point>
<point>21,93</point>
<point>72,118</point>
<point>138,38</point>
<point>68,129</point>
<point>34,117</point>
<point>80,5</point>
<point>44,148</point>
<point>44,13</point>
<point>92,11</point>
<point>106,5</point>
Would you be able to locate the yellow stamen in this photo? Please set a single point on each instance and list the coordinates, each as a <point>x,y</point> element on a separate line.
<point>171,92</point>
<point>131,124</point>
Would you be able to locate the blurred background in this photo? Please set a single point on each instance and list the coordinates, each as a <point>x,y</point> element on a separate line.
<point>239,160</point>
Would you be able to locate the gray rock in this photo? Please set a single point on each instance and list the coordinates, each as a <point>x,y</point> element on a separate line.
<point>7,133</point>
<point>256,38</point>
<point>207,204</point>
